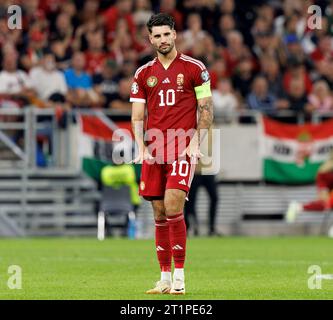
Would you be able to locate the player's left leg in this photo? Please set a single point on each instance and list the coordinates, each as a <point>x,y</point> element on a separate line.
<point>174,201</point>
<point>179,176</point>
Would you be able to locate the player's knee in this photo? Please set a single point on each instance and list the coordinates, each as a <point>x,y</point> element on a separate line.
<point>160,215</point>
<point>173,208</point>
<point>174,205</point>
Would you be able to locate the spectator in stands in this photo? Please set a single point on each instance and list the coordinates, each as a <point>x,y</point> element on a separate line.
<point>62,53</point>
<point>15,91</point>
<point>294,52</point>
<point>324,201</point>
<point>122,47</point>
<point>194,33</point>
<point>260,99</point>
<point>226,24</point>
<point>227,7</point>
<point>296,71</point>
<point>127,69</point>
<point>89,12</point>
<point>235,51</point>
<point>143,45</point>
<point>291,19</point>
<point>169,6</point>
<point>270,68</point>
<point>51,88</point>
<point>46,80</point>
<point>320,99</point>
<point>14,36</point>
<point>323,53</point>
<point>297,97</point>
<point>95,54</point>
<point>63,28</point>
<point>206,51</point>
<point>81,92</point>
<point>266,12</point>
<point>217,71</point>
<point>142,12</point>
<point>34,51</point>
<point>107,82</point>
<point>15,85</point>
<point>311,37</point>
<point>121,99</point>
<point>210,8</point>
<point>327,73</point>
<point>268,44</point>
<point>243,77</point>
<point>225,101</point>
<point>33,17</point>
<point>122,9</point>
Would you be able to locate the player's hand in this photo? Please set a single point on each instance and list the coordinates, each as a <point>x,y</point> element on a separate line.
<point>193,152</point>
<point>143,155</point>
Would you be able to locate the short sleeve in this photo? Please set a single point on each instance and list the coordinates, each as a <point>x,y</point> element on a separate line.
<point>138,92</point>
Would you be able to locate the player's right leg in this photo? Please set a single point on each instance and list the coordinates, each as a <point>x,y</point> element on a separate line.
<point>152,188</point>
<point>163,248</point>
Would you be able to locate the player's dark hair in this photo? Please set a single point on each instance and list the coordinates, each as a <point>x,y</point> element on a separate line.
<point>160,19</point>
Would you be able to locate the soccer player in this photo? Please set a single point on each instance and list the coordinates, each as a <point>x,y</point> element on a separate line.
<point>171,89</point>
<point>324,201</point>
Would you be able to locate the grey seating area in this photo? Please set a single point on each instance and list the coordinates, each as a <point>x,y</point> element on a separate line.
<point>67,205</point>
<point>50,205</point>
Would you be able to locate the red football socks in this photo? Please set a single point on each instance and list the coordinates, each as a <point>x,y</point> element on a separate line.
<point>163,248</point>
<point>177,229</point>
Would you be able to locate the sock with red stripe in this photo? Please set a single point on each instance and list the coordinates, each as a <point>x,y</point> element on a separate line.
<point>163,248</point>
<point>177,229</point>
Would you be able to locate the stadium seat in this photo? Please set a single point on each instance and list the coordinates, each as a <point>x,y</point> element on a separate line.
<point>114,210</point>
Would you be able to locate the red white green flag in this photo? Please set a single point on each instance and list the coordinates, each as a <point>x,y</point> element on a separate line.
<point>292,153</point>
<point>96,141</point>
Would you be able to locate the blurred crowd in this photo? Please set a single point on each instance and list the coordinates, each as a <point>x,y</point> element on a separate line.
<point>261,54</point>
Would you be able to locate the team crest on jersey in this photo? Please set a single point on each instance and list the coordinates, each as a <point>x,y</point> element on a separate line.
<point>205,75</point>
<point>135,88</point>
<point>180,82</point>
<point>152,81</point>
<point>142,185</point>
<point>180,79</point>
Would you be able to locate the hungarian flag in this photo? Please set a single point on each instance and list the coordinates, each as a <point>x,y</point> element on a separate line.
<point>293,153</point>
<point>98,137</point>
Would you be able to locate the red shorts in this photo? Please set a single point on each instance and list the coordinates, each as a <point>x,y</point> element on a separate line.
<point>156,178</point>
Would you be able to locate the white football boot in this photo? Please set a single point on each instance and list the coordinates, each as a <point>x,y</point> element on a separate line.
<point>161,287</point>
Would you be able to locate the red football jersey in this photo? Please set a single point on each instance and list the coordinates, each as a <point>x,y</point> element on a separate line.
<point>169,95</point>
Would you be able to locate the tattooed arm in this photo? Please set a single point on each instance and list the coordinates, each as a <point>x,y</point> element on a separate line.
<point>205,108</point>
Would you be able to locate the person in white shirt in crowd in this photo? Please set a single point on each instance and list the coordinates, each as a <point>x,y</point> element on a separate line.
<point>224,100</point>
<point>47,80</point>
<point>15,91</point>
<point>15,85</point>
<point>193,34</point>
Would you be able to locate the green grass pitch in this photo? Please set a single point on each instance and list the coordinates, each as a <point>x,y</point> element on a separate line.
<point>216,268</point>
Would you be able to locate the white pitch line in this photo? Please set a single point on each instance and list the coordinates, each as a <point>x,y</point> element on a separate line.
<point>325,276</point>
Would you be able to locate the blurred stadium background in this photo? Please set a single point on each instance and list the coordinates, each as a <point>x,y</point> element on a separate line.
<point>64,88</point>
<point>66,75</point>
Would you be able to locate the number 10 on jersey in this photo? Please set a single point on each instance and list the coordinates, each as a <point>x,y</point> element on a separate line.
<point>167,98</point>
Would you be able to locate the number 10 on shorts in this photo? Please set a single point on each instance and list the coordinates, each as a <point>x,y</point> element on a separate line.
<point>183,168</point>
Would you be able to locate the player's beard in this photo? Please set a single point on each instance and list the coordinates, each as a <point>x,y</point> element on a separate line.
<point>166,50</point>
